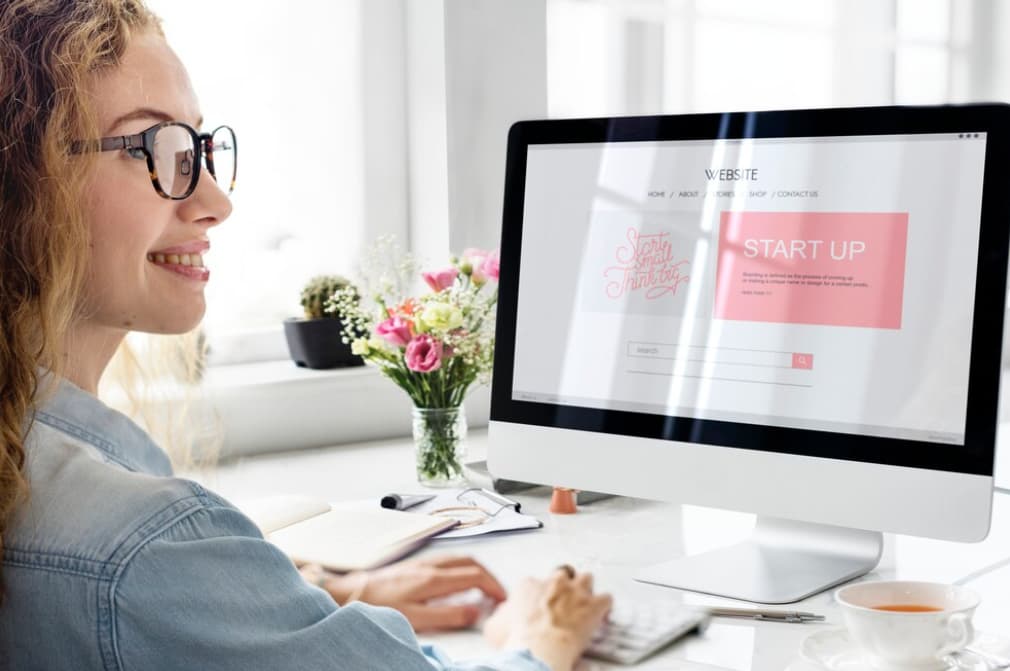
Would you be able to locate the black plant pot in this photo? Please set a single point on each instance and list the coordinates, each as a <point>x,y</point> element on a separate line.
<point>316,343</point>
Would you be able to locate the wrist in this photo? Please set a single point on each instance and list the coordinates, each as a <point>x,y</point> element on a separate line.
<point>347,587</point>
<point>557,648</point>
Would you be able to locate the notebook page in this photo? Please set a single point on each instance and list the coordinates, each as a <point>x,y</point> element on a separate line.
<point>271,513</point>
<point>347,540</point>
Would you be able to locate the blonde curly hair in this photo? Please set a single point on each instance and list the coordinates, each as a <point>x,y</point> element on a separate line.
<point>49,49</point>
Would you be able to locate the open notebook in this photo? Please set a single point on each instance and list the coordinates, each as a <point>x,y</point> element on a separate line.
<point>309,530</point>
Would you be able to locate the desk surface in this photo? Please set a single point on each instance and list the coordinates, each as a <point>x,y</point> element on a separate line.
<point>613,538</point>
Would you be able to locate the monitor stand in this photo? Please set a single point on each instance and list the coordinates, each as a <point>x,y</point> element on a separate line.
<point>782,562</point>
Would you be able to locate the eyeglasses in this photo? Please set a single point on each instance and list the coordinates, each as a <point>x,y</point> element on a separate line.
<point>174,152</point>
<point>473,508</point>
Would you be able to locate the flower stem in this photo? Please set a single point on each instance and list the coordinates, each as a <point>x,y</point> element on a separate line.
<point>438,435</point>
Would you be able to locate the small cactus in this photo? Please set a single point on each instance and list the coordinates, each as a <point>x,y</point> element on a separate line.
<point>318,291</point>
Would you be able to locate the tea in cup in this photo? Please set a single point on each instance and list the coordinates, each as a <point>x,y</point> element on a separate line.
<point>903,625</point>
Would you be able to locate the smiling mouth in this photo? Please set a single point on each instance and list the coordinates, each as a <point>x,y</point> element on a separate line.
<point>189,266</point>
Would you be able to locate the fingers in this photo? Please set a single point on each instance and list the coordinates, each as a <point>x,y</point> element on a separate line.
<point>462,562</point>
<point>566,574</point>
<point>451,561</point>
<point>602,603</point>
<point>451,580</point>
<point>561,589</point>
<point>440,618</point>
<point>567,569</point>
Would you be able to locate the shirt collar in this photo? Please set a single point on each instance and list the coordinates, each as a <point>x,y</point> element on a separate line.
<point>77,413</point>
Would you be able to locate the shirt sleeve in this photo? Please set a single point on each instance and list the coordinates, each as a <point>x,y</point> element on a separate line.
<point>209,592</point>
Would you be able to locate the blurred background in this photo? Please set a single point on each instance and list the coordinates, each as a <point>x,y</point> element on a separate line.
<point>362,117</point>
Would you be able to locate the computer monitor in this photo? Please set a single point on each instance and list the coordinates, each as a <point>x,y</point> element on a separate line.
<point>796,314</point>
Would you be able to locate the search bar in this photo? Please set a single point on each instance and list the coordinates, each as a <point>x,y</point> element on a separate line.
<point>731,356</point>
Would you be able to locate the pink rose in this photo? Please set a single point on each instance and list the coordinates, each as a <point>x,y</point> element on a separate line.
<point>490,267</point>
<point>478,261</point>
<point>440,279</point>
<point>395,331</point>
<point>424,354</point>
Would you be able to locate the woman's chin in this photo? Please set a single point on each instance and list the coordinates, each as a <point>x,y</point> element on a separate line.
<point>176,322</point>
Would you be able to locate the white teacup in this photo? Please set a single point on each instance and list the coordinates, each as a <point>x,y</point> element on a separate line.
<point>900,639</point>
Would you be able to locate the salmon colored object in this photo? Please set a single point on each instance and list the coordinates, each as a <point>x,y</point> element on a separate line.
<point>825,268</point>
<point>563,501</point>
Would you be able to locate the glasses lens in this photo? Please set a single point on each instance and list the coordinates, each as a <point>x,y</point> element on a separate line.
<point>223,158</point>
<point>174,154</point>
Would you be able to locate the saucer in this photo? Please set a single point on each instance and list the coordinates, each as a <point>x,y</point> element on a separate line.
<point>833,650</point>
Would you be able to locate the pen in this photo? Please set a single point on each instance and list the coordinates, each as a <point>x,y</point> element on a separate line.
<point>404,501</point>
<point>762,614</point>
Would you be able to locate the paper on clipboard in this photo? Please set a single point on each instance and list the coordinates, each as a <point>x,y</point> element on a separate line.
<point>496,513</point>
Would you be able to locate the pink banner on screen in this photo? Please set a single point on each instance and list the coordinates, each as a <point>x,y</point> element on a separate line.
<point>830,268</point>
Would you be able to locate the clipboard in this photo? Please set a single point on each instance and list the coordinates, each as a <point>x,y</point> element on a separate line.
<point>477,511</point>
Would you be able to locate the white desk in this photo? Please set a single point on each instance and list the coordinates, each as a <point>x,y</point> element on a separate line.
<point>612,539</point>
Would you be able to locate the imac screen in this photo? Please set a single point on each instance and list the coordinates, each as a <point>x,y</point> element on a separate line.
<point>824,283</point>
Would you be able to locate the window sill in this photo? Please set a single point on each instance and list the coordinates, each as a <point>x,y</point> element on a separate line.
<point>274,406</point>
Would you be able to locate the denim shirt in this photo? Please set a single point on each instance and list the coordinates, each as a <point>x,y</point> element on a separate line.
<point>114,564</point>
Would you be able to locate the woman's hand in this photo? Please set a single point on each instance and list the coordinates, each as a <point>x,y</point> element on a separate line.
<point>555,618</point>
<point>409,585</point>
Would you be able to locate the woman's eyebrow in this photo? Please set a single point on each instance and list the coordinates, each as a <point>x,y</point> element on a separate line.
<point>145,113</point>
<point>140,113</point>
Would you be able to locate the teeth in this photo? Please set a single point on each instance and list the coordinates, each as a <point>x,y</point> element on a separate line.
<point>177,259</point>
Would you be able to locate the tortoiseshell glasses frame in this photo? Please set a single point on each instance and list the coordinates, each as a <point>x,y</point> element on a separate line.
<point>190,145</point>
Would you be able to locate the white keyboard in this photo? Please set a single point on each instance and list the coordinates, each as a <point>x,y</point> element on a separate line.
<point>633,631</point>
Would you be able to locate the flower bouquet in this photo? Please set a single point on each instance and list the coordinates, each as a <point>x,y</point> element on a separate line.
<point>433,346</point>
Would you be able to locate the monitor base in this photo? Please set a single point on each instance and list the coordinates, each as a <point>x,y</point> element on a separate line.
<point>782,562</point>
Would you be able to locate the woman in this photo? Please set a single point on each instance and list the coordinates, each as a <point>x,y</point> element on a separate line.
<point>108,561</point>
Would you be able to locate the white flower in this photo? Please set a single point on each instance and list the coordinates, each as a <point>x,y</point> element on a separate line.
<point>439,316</point>
<point>361,347</point>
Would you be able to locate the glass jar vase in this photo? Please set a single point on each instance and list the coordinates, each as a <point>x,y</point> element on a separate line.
<point>440,446</point>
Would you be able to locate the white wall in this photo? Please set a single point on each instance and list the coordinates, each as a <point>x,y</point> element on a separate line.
<point>473,68</point>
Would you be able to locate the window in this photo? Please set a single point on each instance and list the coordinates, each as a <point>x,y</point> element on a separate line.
<point>673,56</point>
<point>294,81</point>
<point>318,94</point>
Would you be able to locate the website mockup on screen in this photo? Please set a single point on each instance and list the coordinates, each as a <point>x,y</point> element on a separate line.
<point>818,283</point>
